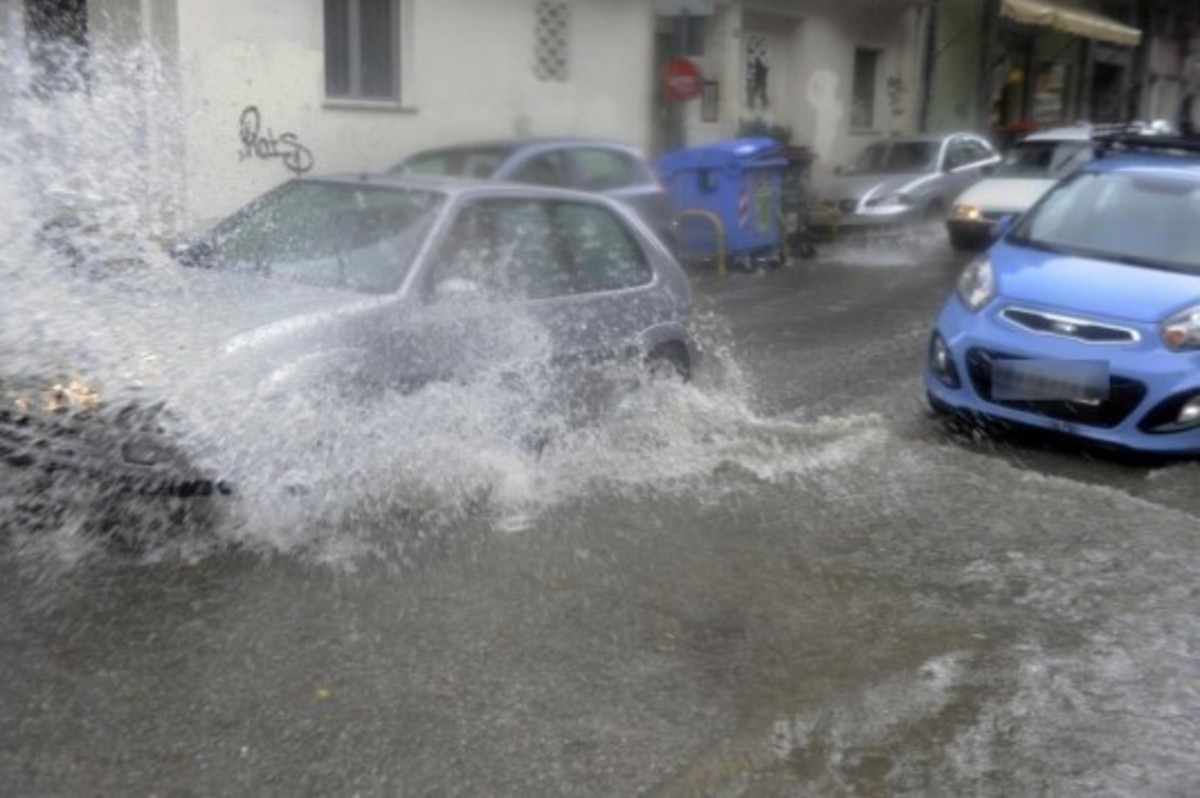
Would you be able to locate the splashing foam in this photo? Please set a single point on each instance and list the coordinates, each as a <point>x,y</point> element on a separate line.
<point>317,471</point>
<point>909,247</point>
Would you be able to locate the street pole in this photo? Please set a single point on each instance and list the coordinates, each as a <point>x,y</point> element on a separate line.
<point>987,53</point>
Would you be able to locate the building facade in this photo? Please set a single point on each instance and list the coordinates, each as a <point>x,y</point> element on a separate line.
<point>248,94</point>
<point>831,76</point>
<point>1010,66</point>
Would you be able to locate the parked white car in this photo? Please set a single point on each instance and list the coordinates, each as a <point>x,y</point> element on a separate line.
<point>1027,172</point>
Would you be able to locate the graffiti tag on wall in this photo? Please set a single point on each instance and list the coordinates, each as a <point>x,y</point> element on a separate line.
<point>287,147</point>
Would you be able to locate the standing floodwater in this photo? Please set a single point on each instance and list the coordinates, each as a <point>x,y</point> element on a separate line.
<point>780,578</point>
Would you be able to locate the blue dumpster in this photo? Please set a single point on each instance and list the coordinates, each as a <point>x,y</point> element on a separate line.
<point>740,182</point>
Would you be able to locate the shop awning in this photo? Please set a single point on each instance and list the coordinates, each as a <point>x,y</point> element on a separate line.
<point>1088,24</point>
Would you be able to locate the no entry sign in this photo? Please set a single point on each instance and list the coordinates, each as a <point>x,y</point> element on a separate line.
<point>682,80</point>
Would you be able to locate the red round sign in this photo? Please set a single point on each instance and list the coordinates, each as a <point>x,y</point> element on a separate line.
<point>682,80</point>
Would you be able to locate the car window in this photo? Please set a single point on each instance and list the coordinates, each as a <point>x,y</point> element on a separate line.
<point>1139,219</point>
<point>1045,158</point>
<point>604,255</point>
<point>547,169</point>
<point>976,150</point>
<point>330,234</point>
<point>957,153</point>
<point>599,169</point>
<point>476,162</point>
<point>506,249</point>
<point>500,249</point>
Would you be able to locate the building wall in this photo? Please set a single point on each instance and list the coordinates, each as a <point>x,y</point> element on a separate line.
<point>812,45</point>
<point>467,73</point>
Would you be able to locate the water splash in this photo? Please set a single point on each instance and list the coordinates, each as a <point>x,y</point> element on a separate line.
<point>91,197</point>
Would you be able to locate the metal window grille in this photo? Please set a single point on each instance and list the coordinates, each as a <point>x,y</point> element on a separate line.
<point>758,65</point>
<point>552,41</point>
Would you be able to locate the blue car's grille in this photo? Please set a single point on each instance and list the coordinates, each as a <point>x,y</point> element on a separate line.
<point>1123,396</point>
<point>1063,327</point>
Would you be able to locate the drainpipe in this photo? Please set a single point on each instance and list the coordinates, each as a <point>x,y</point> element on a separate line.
<point>987,54</point>
<point>931,11</point>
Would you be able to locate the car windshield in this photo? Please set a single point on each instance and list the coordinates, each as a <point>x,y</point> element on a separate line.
<point>1147,219</point>
<point>894,157</point>
<point>481,162</point>
<point>340,235</point>
<point>1046,159</point>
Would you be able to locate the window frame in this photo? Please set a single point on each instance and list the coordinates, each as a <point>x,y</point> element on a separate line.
<point>399,56</point>
<point>873,101</point>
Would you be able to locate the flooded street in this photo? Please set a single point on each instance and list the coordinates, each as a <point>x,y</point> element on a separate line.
<point>783,579</point>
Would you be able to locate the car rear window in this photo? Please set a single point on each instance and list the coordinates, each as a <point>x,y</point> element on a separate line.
<point>476,162</point>
<point>599,169</point>
<point>1048,159</point>
<point>1150,219</point>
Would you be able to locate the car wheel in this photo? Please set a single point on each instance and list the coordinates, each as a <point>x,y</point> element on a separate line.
<point>669,361</point>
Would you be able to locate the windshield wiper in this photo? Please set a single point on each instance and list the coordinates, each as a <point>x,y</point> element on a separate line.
<point>1113,257</point>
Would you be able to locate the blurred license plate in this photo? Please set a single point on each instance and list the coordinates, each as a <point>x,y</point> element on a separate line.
<point>1084,381</point>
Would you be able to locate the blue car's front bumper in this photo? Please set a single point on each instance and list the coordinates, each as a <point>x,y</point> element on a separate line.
<point>1146,380</point>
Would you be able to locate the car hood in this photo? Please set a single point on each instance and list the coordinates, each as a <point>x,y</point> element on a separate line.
<point>865,187</point>
<point>243,311</point>
<point>1005,194</point>
<point>1091,287</point>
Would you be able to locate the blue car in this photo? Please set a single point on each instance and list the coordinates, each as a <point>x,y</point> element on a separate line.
<point>1084,317</point>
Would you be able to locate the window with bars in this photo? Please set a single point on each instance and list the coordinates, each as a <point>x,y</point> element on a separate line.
<point>552,41</point>
<point>362,49</point>
<point>757,70</point>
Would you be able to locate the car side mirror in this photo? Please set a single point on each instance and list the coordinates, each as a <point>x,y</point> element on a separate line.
<point>1003,226</point>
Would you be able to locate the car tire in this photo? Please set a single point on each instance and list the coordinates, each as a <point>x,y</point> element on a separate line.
<point>669,361</point>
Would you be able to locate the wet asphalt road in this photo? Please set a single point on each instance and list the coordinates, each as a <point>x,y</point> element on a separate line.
<point>817,591</point>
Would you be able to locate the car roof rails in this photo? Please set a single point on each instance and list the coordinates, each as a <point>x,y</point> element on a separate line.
<point>1128,142</point>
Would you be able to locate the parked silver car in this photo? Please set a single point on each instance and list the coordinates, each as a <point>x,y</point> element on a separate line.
<point>607,167</point>
<point>905,179</point>
<point>368,283</point>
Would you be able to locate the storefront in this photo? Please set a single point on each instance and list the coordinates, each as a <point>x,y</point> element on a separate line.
<point>1053,65</point>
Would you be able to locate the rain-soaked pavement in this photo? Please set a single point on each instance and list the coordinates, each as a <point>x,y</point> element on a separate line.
<point>800,585</point>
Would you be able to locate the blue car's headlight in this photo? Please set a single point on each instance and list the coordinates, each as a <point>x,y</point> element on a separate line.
<point>977,285</point>
<point>1182,331</point>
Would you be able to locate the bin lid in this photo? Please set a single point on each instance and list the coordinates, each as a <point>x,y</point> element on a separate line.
<point>732,153</point>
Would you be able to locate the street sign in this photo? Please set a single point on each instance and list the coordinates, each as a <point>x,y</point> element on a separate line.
<point>695,8</point>
<point>682,80</point>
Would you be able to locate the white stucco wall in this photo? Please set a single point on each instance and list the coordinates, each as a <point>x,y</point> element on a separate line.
<point>822,38</point>
<point>469,75</point>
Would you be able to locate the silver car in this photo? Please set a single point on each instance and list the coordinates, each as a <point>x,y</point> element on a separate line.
<point>905,179</point>
<point>616,170</point>
<point>370,283</point>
